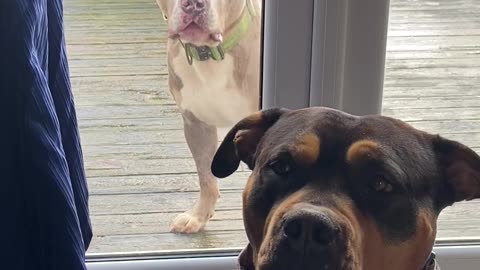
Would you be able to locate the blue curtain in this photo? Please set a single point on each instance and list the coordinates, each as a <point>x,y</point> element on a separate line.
<point>44,218</point>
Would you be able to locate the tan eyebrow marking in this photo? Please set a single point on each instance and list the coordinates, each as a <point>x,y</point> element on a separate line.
<point>362,149</point>
<point>306,149</point>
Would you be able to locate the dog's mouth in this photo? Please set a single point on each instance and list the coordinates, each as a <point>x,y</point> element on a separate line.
<point>286,263</point>
<point>281,260</point>
<point>197,35</point>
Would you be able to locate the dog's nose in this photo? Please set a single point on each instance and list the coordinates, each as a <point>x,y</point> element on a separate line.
<point>310,230</point>
<point>193,6</point>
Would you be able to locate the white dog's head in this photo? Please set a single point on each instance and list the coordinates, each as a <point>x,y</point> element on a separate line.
<point>201,22</point>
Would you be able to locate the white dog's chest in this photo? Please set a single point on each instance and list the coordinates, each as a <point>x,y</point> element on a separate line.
<point>210,91</point>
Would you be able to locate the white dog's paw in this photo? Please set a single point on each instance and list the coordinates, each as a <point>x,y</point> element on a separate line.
<point>190,222</point>
<point>195,220</point>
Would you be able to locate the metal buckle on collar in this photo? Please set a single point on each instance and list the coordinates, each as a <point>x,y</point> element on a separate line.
<point>430,264</point>
<point>202,53</point>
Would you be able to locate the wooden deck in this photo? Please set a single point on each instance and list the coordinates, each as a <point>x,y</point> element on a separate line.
<point>140,172</point>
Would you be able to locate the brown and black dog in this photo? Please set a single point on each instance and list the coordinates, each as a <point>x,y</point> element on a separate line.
<point>331,190</point>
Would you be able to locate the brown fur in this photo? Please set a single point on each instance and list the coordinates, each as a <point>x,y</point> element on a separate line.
<point>307,149</point>
<point>377,255</point>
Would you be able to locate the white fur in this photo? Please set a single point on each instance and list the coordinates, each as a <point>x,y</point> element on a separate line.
<point>210,92</point>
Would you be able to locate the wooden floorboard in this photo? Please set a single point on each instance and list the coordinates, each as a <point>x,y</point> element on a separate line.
<point>140,172</point>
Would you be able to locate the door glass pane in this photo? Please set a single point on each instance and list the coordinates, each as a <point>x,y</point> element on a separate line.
<point>145,80</point>
<point>432,81</point>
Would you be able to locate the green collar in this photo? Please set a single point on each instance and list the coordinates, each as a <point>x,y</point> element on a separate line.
<point>203,53</point>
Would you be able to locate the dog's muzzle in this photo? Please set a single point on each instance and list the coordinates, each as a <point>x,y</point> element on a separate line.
<point>307,239</point>
<point>316,232</point>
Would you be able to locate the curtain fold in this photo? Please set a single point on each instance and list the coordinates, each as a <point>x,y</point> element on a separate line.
<point>44,216</point>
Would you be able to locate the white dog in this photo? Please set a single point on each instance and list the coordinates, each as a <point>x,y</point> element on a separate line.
<point>214,76</point>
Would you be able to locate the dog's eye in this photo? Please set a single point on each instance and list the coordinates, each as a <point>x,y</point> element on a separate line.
<point>280,167</point>
<point>165,17</point>
<point>381,185</point>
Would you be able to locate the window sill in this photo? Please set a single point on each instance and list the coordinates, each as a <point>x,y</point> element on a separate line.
<point>463,257</point>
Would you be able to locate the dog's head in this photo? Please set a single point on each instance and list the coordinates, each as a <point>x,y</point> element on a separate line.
<point>335,191</point>
<point>201,22</point>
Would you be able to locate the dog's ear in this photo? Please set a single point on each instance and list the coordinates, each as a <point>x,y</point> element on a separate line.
<point>245,259</point>
<point>461,168</point>
<point>241,142</point>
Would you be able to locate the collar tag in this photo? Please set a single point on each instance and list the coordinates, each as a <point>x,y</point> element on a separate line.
<point>203,53</point>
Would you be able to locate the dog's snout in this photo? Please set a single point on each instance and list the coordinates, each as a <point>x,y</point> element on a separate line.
<point>310,230</point>
<point>193,6</point>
